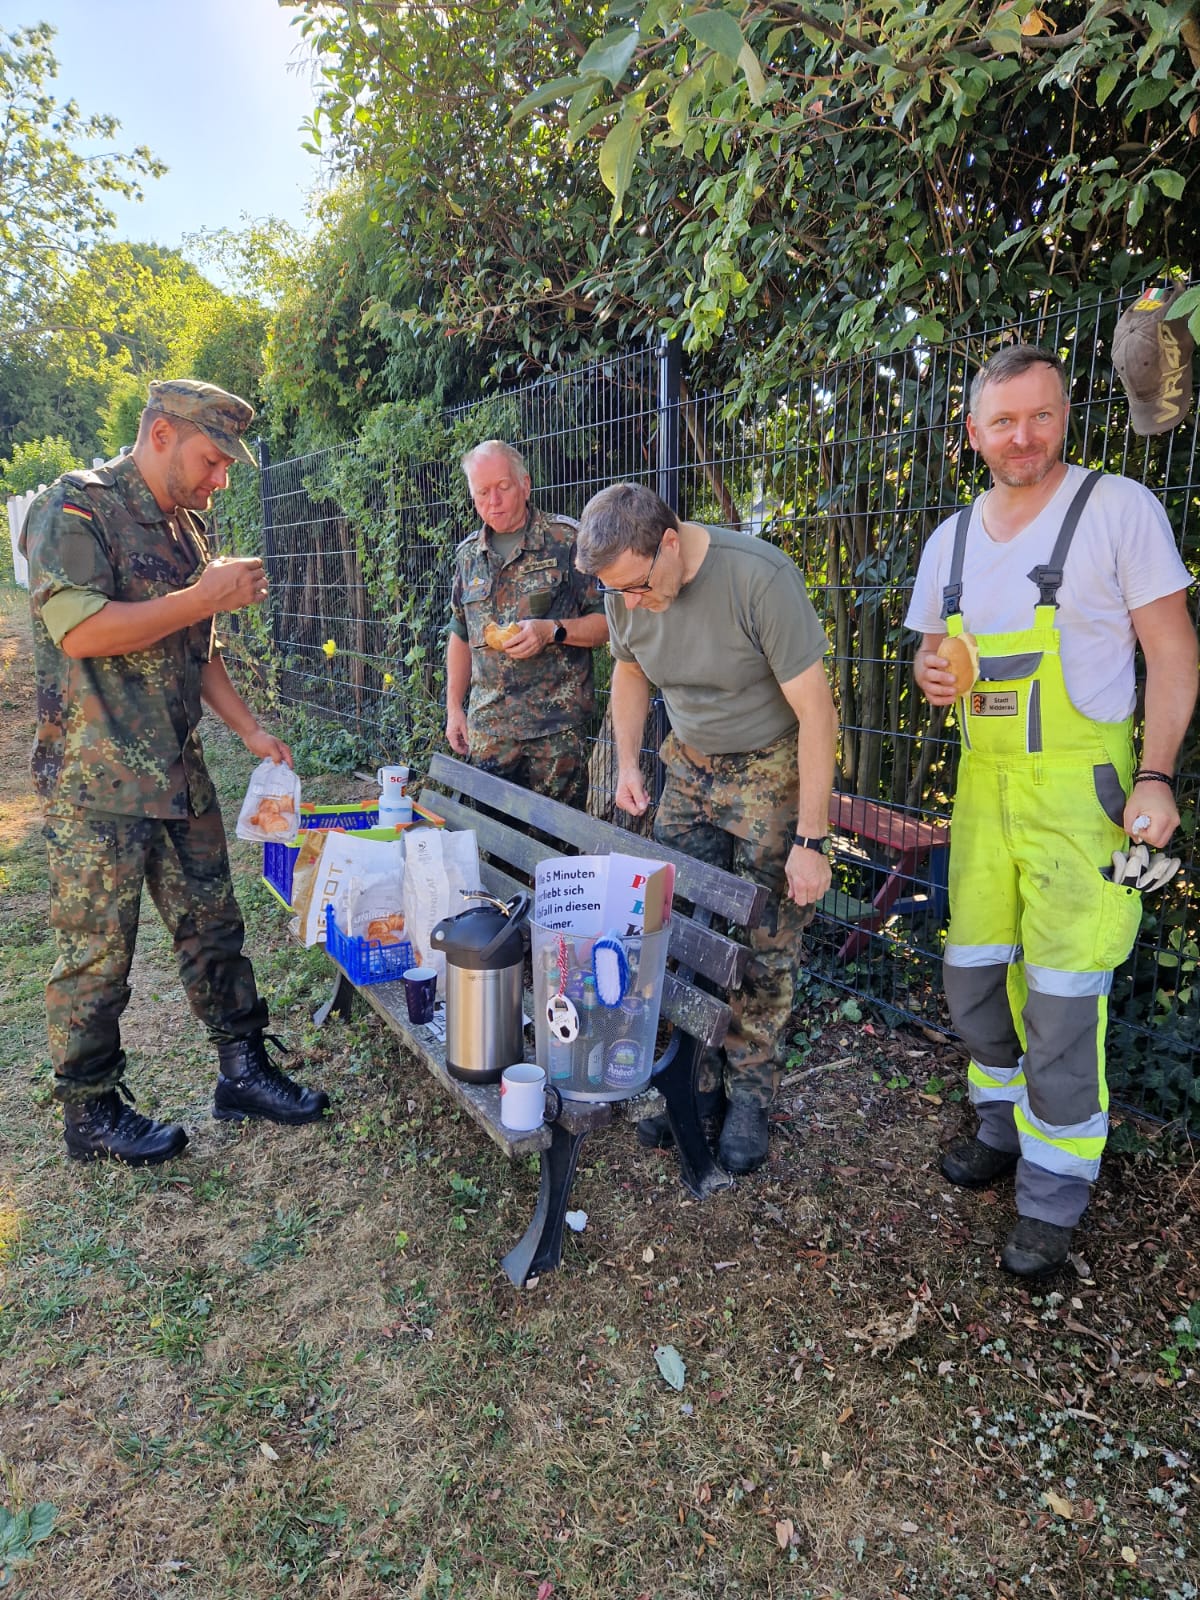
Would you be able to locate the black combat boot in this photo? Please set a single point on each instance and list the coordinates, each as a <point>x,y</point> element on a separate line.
<point>743,1143</point>
<point>249,1084</point>
<point>104,1128</point>
<point>655,1132</point>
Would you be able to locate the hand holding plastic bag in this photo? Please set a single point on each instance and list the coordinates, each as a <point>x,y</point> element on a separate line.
<point>271,810</point>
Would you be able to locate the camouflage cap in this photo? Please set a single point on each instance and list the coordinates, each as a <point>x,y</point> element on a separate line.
<point>221,417</point>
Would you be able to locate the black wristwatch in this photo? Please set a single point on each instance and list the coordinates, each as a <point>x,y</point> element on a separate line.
<point>825,845</point>
<point>560,633</point>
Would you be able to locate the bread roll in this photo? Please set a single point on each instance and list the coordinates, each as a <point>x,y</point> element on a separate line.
<point>961,655</point>
<point>496,637</point>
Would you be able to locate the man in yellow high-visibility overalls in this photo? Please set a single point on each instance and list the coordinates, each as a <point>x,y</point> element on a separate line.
<point>1060,574</point>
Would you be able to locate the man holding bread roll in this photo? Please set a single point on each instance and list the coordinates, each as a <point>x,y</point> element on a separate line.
<point>523,624</point>
<point>1031,604</point>
<point>721,623</point>
<point>124,594</point>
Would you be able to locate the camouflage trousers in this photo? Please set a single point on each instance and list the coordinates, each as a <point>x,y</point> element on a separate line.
<point>555,764</point>
<point>98,864</point>
<point>739,812</point>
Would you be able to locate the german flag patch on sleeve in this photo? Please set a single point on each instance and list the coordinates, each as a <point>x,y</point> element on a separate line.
<point>71,509</point>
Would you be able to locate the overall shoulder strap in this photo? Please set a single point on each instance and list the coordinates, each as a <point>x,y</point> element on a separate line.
<point>1049,576</point>
<point>952,593</point>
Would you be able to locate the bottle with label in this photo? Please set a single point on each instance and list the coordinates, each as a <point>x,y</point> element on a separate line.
<point>624,1064</point>
<point>594,1071</point>
<point>560,1060</point>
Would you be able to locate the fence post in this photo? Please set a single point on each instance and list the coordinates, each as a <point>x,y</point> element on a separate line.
<point>268,532</point>
<point>670,372</point>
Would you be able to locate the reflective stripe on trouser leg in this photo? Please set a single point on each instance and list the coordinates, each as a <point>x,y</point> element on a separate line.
<point>976,980</point>
<point>1064,1122</point>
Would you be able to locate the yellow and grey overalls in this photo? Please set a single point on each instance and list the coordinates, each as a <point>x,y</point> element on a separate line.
<point>1035,928</point>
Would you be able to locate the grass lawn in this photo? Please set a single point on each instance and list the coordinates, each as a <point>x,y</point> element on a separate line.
<point>288,1364</point>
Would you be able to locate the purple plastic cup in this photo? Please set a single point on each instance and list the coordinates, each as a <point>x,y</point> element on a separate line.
<point>420,993</point>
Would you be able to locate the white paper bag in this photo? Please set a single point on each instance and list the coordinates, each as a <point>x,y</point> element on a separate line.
<point>346,856</point>
<point>438,864</point>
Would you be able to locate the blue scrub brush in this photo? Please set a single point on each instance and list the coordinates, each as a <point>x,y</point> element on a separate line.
<point>610,969</point>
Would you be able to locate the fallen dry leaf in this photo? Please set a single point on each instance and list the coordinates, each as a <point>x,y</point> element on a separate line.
<point>648,1255</point>
<point>885,1332</point>
<point>271,1455</point>
<point>1060,1507</point>
<point>783,1533</point>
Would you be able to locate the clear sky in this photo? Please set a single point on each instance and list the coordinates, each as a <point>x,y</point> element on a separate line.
<point>216,88</point>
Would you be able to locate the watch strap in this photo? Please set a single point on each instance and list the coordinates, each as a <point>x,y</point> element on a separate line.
<point>823,844</point>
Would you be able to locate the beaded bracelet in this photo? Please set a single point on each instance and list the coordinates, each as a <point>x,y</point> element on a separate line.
<point>1145,775</point>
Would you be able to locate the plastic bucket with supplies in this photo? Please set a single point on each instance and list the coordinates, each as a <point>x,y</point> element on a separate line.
<point>596,1006</point>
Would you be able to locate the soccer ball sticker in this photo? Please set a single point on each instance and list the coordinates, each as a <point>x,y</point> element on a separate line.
<point>562,1019</point>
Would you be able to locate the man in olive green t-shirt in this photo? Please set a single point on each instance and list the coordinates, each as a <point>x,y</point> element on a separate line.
<point>722,624</point>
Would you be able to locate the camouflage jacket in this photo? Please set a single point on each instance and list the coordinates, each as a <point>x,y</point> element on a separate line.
<point>115,733</point>
<point>524,699</point>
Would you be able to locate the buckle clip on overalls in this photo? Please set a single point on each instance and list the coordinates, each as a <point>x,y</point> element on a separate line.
<point>1035,930</point>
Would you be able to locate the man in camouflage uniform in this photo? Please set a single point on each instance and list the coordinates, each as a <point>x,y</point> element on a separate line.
<point>531,695</point>
<point>722,624</point>
<point>123,593</point>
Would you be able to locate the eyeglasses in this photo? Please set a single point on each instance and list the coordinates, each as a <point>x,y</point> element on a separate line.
<point>634,588</point>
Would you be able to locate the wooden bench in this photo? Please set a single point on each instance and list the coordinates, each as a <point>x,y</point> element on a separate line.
<point>519,829</point>
<point>905,837</point>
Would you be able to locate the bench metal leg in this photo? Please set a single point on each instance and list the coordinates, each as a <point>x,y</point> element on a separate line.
<point>341,1000</point>
<point>540,1247</point>
<point>699,1170</point>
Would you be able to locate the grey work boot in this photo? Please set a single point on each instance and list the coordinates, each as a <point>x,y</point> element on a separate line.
<point>971,1164</point>
<point>743,1143</point>
<point>654,1133</point>
<point>104,1128</point>
<point>249,1084</point>
<point>1035,1247</point>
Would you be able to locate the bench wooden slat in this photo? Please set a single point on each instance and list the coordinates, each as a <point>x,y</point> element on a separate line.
<point>705,951</point>
<point>722,893</point>
<point>481,1101</point>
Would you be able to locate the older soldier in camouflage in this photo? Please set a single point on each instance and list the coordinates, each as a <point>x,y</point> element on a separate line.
<point>123,592</point>
<point>531,694</point>
<point>722,624</point>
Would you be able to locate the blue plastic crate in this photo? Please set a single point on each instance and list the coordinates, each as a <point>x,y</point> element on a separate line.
<point>279,860</point>
<point>365,960</point>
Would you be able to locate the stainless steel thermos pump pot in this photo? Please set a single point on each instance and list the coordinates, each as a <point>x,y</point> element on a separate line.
<point>484,948</point>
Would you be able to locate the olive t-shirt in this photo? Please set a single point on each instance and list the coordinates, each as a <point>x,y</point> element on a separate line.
<point>718,654</point>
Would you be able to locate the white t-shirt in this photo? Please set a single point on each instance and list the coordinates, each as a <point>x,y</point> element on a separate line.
<point>1123,556</point>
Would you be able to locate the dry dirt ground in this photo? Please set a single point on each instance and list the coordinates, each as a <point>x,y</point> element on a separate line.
<point>288,1364</point>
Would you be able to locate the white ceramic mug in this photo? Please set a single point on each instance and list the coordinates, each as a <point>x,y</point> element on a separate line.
<point>523,1092</point>
<point>392,781</point>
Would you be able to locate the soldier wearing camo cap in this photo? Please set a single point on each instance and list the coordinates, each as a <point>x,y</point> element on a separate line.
<point>530,687</point>
<point>722,624</point>
<point>124,594</point>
